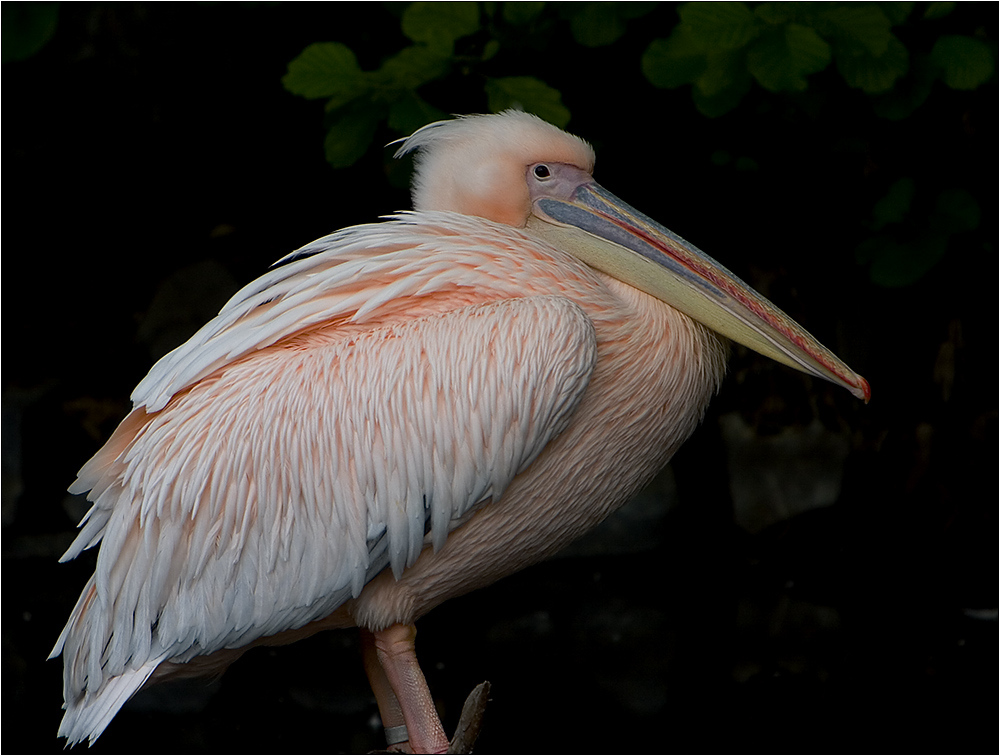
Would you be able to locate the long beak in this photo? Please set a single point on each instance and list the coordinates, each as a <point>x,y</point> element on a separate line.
<point>617,239</point>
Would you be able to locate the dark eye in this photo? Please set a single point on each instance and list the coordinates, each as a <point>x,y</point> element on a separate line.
<point>542,172</point>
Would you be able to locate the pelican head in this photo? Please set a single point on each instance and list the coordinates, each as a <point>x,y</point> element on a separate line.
<point>516,169</point>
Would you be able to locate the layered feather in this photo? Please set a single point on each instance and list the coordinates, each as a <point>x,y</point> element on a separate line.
<point>340,413</point>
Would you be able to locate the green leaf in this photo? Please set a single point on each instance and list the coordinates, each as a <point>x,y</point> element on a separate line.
<point>725,25</point>
<point>897,13</point>
<point>529,94</point>
<point>677,60</point>
<point>724,100</point>
<point>956,211</point>
<point>350,136</point>
<point>856,27</point>
<point>521,13</point>
<point>440,24</point>
<point>720,158</point>
<point>412,67</point>
<point>870,248</point>
<point>967,62</point>
<point>893,207</point>
<point>781,60</point>
<point>629,10</point>
<point>723,72</point>
<point>938,10</point>
<point>490,49</point>
<point>875,75</point>
<point>909,94</point>
<point>780,13</point>
<point>773,13</point>
<point>26,28</point>
<point>326,69</point>
<point>410,112</point>
<point>895,265</point>
<point>596,24</point>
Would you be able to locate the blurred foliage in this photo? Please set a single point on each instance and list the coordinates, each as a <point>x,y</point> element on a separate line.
<point>921,232</point>
<point>451,41</point>
<point>26,28</point>
<point>359,99</point>
<point>720,49</point>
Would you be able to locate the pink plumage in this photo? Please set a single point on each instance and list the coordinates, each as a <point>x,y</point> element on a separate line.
<point>397,414</point>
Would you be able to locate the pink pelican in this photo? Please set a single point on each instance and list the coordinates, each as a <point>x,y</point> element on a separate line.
<point>400,413</point>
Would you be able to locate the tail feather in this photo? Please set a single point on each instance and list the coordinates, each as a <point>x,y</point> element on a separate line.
<point>87,716</point>
<point>92,699</point>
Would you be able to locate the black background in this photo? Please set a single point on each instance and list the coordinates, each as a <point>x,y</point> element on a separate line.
<point>147,139</point>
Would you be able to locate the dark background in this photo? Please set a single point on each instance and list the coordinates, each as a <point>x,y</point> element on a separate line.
<point>153,163</point>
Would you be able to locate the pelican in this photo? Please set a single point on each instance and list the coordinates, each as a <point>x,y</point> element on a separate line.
<point>400,413</point>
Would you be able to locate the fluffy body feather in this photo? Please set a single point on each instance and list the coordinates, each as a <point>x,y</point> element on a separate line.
<point>398,414</point>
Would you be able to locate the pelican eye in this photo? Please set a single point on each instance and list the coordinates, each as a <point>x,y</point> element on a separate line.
<point>542,172</point>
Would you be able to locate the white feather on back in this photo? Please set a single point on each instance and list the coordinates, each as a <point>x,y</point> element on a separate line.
<point>361,274</point>
<point>315,432</point>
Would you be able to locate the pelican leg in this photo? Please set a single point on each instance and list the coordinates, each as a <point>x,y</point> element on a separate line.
<point>388,705</point>
<point>401,690</point>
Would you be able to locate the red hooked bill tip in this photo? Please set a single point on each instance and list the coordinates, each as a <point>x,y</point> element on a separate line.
<point>864,389</point>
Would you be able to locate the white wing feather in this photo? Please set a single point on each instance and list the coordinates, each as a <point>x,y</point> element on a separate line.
<point>359,274</point>
<point>290,473</point>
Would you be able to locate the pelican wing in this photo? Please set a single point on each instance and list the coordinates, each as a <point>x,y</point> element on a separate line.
<point>270,490</point>
<point>360,275</point>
